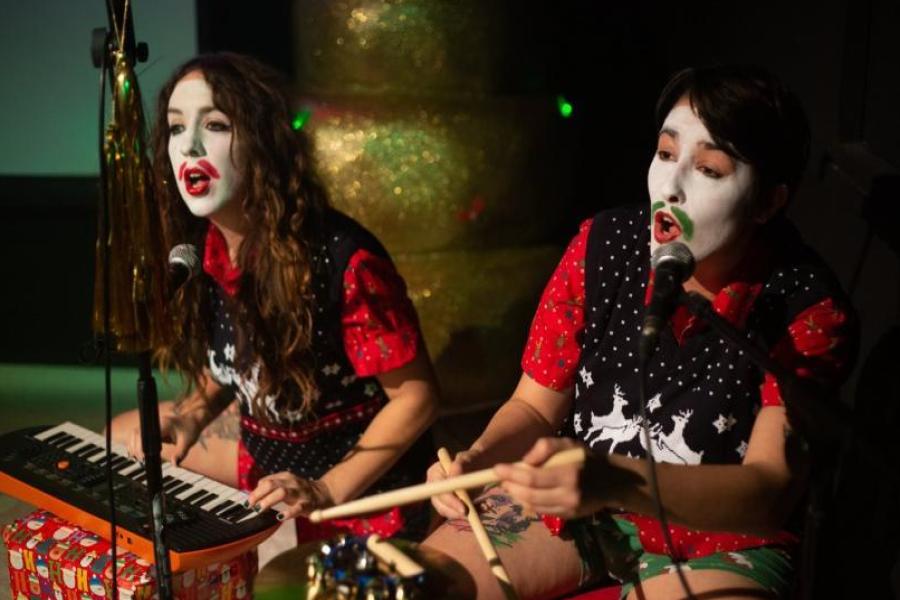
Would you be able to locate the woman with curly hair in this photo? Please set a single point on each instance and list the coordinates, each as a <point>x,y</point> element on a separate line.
<point>299,315</point>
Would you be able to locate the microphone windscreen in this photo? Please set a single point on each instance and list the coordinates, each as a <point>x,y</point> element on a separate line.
<point>185,256</point>
<point>675,252</point>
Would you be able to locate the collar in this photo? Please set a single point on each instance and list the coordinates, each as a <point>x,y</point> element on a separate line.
<point>217,264</point>
<point>735,300</point>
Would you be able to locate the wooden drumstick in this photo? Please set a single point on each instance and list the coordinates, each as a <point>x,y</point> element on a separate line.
<point>481,534</point>
<point>423,491</point>
<point>393,557</point>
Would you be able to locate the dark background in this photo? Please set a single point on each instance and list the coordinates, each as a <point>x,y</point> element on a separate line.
<point>610,60</point>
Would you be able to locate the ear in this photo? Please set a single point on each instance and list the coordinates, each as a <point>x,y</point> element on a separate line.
<point>772,204</point>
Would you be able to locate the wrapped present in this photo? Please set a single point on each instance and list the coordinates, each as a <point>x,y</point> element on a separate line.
<point>54,559</point>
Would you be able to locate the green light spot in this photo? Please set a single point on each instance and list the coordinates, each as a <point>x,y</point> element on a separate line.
<point>301,118</point>
<point>564,106</point>
<point>127,85</point>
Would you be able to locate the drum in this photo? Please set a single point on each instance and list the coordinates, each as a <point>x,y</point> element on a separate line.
<point>346,568</point>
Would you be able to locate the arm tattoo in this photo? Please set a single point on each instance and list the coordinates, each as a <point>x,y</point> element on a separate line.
<point>503,519</point>
<point>227,426</point>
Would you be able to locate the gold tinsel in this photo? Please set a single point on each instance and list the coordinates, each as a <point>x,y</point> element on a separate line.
<point>136,261</point>
<point>400,47</point>
<point>427,176</point>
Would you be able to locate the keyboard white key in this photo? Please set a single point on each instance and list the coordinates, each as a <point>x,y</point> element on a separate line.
<point>196,483</point>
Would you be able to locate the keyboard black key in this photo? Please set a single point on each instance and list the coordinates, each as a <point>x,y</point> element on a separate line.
<point>50,440</point>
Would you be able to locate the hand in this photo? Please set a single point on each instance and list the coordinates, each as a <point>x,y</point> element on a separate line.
<point>553,491</point>
<point>182,429</point>
<point>448,505</point>
<point>300,496</point>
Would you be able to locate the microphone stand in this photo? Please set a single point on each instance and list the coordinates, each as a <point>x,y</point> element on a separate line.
<point>821,426</point>
<point>148,402</point>
<point>151,443</point>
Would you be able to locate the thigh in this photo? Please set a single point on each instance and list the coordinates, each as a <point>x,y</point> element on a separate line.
<point>708,583</point>
<point>215,454</point>
<point>761,572</point>
<point>539,564</point>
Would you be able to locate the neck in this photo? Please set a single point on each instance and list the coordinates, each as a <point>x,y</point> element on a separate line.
<point>233,234</point>
<point>718,269</point>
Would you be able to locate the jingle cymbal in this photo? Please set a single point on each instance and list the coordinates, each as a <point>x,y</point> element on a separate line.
<point>284,578</point>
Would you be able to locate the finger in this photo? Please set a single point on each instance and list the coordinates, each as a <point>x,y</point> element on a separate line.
<point>448,506</point>
<point>537,478</point>
<point>263,487</point>
<point>553,500</point>
<point>275,496</point>
<point>543,449</point>
<point>181,448</point>
<point>135,448</point>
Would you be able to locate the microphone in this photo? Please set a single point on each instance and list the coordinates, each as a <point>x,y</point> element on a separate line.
<point>184,265</point>
<point>672,263</point>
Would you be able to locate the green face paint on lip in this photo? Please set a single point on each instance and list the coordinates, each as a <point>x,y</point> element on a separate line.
<point>655,207</point>
<point>687,226</point>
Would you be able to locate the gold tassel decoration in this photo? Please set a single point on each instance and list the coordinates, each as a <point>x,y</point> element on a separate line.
<point>136,265</point>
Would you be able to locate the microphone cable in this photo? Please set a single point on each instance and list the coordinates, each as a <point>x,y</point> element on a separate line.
<point>654,481</point>
<point>103,234</point>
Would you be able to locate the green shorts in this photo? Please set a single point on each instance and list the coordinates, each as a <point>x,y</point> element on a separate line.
<point>609,546</point>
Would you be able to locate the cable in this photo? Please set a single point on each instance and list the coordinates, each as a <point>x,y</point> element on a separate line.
<point>654,482</point>
<point>107,335</point>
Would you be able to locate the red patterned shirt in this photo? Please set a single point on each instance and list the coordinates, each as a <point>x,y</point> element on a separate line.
<point>816,344</point>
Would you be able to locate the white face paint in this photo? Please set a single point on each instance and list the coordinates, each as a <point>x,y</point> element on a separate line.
<point>698,193</point>
<point>200,142</point>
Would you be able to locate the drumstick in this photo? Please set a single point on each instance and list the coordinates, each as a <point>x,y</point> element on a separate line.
<point>423,491</point>
<point>481,534</point>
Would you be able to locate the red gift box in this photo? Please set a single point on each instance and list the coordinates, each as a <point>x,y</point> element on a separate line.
<point>54,559</point>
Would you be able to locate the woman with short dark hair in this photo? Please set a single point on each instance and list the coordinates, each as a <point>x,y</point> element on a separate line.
<point>731,148</point>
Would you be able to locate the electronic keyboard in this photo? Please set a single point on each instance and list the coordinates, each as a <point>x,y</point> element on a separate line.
<point>63,469</point>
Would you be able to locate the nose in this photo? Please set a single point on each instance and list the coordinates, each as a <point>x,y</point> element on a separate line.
<point>673,187</point>
<point>192,144</point>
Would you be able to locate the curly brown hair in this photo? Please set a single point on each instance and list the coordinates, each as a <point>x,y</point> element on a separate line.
<point>284,205</point>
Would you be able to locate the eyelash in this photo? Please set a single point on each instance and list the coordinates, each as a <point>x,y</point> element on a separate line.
<point>215,126</point>
<point>706,171</point>
<point>711,173</point>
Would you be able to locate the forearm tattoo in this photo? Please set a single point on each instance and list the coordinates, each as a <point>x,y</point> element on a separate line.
<point>227,426</point>
<point>503,519</point>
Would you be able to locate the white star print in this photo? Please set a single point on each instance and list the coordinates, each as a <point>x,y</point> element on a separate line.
<point>654,403</point>
<point>229,352</point>
<point>723,423</point>
<point>586,377</point>
<point>331,369</point>
<point>348,380</point>
<point>370,390</point>
<point>577,423</point>
<point>742,449</point>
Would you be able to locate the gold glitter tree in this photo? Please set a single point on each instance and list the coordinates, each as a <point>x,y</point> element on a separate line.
<point>414,139</point>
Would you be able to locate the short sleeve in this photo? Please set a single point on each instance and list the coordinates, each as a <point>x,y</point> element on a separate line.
<point>820,344</point>
<point>554,340</point>
<point>380,327</point>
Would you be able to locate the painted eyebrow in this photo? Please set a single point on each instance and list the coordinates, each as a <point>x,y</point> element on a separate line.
<point>706,145</point>
<point>203,111</point>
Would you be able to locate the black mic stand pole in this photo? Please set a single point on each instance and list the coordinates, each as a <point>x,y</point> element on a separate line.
<point>822,426</point>
<point>151,443</point>
<point>148,400</point>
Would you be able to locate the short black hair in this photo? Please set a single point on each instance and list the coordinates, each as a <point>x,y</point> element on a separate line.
<point>750,114</point>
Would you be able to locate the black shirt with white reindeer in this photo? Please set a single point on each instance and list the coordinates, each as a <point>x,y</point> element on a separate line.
<point>363,325</point>
<point>702,393</point>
